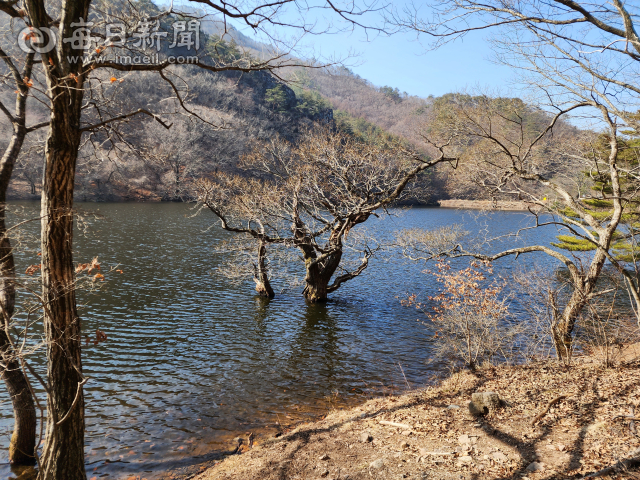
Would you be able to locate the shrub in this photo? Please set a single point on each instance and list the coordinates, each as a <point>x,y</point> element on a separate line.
<point>469,315</point>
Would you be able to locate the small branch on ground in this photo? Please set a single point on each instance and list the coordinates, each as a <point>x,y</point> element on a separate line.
<point>546,410</point>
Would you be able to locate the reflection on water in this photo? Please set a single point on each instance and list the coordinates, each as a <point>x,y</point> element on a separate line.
<point>191,361</point>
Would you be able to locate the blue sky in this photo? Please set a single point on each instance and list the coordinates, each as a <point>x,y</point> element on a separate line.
<point>401,61</point>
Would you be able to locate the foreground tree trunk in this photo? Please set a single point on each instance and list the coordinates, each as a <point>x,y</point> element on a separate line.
<point>23,440</point>
<point>63,454</point>
<point>562,331</point>
<point>580,297</point>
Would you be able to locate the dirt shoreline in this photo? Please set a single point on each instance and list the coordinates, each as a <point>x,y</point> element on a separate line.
<point>486,205</point>
<point>429,433</point>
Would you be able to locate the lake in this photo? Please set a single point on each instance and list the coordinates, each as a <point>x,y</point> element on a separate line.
<point>191,360</point>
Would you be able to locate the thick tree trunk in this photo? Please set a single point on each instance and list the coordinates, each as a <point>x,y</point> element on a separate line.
<point>63,453</point>
<point>319,275</point>
<point>261,274</point>
<point>23,439</point>
<point>316,292</point>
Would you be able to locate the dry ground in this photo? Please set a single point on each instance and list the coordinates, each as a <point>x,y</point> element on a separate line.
<point>581,434</point>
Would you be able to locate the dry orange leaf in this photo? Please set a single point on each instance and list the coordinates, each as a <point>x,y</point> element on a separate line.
<point>31,269</point>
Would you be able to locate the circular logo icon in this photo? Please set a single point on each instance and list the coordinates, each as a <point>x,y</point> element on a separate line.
<point>40,40</point>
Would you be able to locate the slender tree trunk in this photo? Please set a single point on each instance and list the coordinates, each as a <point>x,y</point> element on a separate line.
<point>563,330</point>
<point>261,275</point>
<point>23,439</point>
<point>63,452</point>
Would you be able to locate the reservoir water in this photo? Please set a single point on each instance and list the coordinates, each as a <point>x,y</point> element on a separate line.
<point>191,361</point>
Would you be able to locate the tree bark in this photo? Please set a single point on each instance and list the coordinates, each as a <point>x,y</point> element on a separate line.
<point>319,273</point>
<point>316,291</point>
<point>63,454</point>
<point>23,440</point>
<point>583,288</point>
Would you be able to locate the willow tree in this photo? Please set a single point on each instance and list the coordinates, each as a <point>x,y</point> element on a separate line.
<point>310,196</point>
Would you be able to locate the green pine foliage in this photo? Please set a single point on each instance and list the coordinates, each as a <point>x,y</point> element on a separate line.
<point>625,239</point>
<point>573,244</point>
<point>310,103</point>
<point>276,98</point>
<point>361,128</point>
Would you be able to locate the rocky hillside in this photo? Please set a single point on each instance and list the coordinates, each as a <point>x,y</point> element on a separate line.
<point>141,160</point>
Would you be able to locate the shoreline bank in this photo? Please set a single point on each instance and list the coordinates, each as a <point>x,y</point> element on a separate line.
<point>485,205</point>
<point>430,430</point>
<point>513,206</point>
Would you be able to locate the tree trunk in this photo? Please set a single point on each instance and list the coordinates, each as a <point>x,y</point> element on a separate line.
<point>563,330</point>
<point>23,439</point>
<point>63,453</point>
<point>316,291</point>
<point>261,274</point>
<point>319,275</point>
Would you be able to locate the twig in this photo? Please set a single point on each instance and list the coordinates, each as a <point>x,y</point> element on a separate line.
<point>75,402</point>
<point>399,425</point>
<point>421,454</point>
<point>621,465</point>
<point>626,417</point>
<point>405,377</point>
<point>546,410</point>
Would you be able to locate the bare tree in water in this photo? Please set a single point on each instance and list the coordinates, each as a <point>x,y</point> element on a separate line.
<point>310,196</point>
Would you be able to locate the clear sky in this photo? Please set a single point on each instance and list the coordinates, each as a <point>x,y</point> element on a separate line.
<point>401,61</point>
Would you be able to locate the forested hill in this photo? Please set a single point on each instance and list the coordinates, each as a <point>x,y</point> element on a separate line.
<point>141,160</point>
